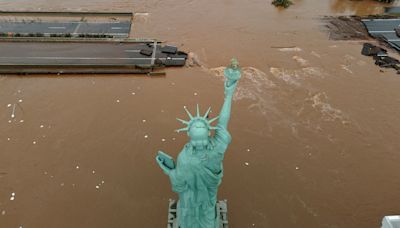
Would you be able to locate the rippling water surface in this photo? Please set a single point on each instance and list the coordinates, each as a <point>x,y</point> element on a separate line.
<point>316,123</point>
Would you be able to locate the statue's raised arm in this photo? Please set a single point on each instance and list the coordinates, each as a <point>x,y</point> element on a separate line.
<point>232,75</point>
<point>198,171</point>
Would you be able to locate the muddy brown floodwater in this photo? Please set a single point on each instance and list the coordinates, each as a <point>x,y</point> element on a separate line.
<point>316,123</point>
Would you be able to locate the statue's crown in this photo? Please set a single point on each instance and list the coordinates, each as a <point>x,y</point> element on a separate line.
<point>204,119</point>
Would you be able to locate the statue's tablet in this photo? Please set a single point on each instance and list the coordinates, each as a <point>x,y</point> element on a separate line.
<point>166,159</point>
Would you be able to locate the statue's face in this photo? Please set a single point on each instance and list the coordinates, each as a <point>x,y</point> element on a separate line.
<point>198,134</point>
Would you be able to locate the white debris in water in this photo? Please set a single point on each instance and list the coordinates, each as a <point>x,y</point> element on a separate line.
<point>146,136</point>
<point>290,49</point>
<point>62,184</point>
<point>141,14</point>
<point>77,167</point>
<point>41,126</point>
<point>93,172</point>
<point>9,121</point>
<point>13,194</point>
<point>133,93</point>
<point>34,142</point>
<point>12,198</point>
<point>20,100</point>
<point>297,168</point>
<point>246,163</point>
<point>97,187</point>
<point>118,101</point>
<point>102,182</point>
<point>143,121</point>
<point>173,139</point>
<point>3,212</point>
<point>195,94</point>
<point>248,150</point>
<point>8,139</point>
<point>9,105</point>
<point>45,173</point>
<point>21,121</point>
<point>163,140</point>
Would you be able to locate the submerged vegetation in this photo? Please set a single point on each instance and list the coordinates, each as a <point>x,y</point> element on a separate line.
<point>282,3</point>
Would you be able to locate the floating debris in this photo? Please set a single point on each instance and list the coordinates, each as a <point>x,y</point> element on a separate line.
<point>20,100</point>
<point>9,105</point>
<point>62,184</point>
<point>297,168</point>
<point>3,212</point>
<point>34,142</point>
<point>146,136</point>
<point>144,121</point>
<point>13,112</point>
<point>246,163</point>
<point>163,140</point>
<point>248,150</point>
<point>41,126</point>
<point>117,101</point>
<point>382,59</point>
<point>21,121</point>
<point>287,49</point>
<point>77,167</point>
<point>282,3</point>
<point>195,94</point>
<point>102,182</point>
<point>8,139</point>
<point>97,187</point>
<point>133,93</point>
<point>93,172</point>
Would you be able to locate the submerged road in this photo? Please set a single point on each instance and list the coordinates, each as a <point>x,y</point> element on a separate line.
<point>117,29</point>
<point>75,54</point>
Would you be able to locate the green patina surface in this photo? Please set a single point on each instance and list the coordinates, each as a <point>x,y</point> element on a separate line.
<point>199,169</point>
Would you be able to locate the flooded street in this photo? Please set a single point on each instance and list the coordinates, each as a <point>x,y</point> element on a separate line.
<point>315,124</point>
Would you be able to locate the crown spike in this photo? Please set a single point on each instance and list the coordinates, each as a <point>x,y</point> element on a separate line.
<point>213,119</point>
<point>182,129</point>
<point>183,121</point>
<point>188,113</point>
<point>208,112</point>
<point>198,110</point>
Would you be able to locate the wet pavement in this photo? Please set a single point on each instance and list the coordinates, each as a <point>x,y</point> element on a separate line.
<point>315,124</point>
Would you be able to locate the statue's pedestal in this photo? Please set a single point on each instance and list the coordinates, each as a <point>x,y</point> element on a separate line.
<point>221,208</point>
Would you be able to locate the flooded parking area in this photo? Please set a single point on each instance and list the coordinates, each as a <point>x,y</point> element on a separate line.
<point>315,124</point>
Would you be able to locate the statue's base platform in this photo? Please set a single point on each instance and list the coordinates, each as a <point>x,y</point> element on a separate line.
<point>221,208</point>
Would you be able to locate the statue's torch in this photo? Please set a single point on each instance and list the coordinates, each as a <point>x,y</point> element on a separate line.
<point>232,72</point>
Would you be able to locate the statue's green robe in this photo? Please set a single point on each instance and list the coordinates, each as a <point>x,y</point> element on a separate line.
<point>196,180</point>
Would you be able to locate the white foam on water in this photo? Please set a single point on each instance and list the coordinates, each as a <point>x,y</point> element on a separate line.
<point>300,60</point>
<point>329,113</point>
<point>253,85</point>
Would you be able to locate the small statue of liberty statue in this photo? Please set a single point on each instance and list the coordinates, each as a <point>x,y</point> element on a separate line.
<point>198,172</point>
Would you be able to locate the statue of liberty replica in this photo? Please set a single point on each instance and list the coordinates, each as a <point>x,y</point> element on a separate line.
<point>199,170</point>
